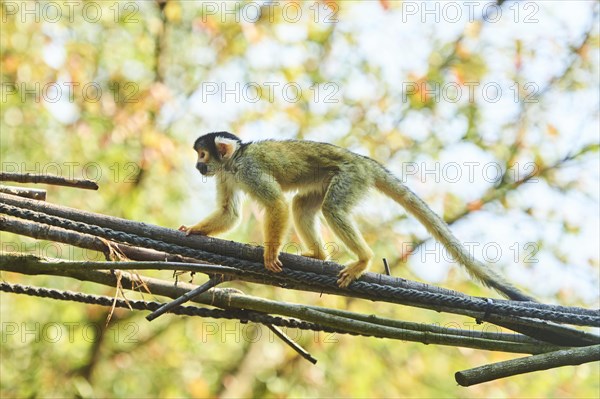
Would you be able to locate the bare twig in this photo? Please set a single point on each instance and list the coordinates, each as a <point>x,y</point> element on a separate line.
<point>48,179</point>
<point>490,372</point>
<point>301,351</point>
<point>212,282</point>
<point>386,267</point>
<point>32,193</point>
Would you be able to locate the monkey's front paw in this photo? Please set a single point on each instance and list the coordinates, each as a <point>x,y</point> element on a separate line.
<point>274,265</point>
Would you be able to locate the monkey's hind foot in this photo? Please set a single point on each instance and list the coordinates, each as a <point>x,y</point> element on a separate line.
<point>274,265</point>
<point>351,272</point>
<point>272,261</point>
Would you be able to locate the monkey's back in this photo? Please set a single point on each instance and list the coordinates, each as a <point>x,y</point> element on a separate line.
<point>297,164</point>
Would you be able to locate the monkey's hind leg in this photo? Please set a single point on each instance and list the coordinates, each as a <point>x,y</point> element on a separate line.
<point>275,225</point>
<point>304,209</point>
<point>343,193</point>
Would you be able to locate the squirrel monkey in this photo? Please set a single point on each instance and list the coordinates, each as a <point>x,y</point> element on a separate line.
<point>326,178</point>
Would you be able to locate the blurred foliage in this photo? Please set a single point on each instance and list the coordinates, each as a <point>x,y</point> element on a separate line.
<point>118,91</point>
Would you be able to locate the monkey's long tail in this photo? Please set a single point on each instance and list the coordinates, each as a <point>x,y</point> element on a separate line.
<point>392,187</point>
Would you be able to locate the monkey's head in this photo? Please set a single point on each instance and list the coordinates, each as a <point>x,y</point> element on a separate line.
<point>214,149</point>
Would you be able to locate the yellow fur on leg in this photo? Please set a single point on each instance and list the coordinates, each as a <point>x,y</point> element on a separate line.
<point>276,222</point>
<point>304,209</point>
<point>318,254</point>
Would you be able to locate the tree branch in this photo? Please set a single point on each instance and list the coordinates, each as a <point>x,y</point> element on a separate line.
<point>31,193</point>
<point>48,179</point>
<point>490,372</point>
<point>536,328</point>
<point>338,320</point>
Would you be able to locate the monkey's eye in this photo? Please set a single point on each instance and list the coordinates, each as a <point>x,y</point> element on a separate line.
<point>202,154</point>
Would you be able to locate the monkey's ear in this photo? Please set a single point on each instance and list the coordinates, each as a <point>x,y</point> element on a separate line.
<point>226,147</point>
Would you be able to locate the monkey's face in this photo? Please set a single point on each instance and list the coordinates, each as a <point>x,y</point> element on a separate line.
<point>215,149</point>
<point>206,164</point>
